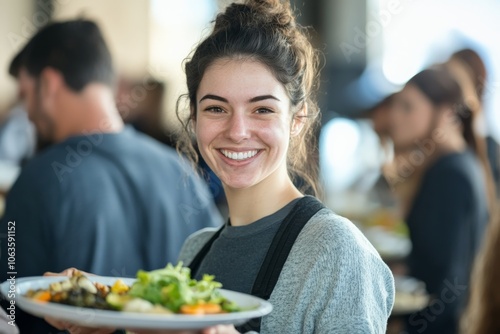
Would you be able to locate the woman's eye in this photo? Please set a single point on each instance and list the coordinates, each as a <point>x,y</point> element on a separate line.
<point>214,109</point>
<point>264,111</point>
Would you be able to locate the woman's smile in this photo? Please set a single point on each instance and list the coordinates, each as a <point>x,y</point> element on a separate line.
<point>241,155</point>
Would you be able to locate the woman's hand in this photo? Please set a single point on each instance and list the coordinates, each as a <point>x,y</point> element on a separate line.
<point>67,272</point>
<point>76,329</point>
<point>221,329</point>
<point>63,325</point>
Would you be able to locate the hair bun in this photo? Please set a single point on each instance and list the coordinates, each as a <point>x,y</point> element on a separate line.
<point>276,11</point>
<point>257,13</point>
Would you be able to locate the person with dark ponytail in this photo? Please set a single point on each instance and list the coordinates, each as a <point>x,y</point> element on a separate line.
<point>470,71</point>
<point>253,113</point>
<point>449,210</point>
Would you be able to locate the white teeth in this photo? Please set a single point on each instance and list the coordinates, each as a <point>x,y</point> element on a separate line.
<point>239,155</point>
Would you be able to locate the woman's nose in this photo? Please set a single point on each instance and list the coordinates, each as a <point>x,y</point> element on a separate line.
<point>238,127</point>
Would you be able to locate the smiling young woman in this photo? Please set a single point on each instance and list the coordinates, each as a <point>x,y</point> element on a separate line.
<point>251,87</point>
<point>253,114</point>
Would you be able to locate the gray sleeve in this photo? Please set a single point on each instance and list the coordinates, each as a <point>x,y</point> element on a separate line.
<point>334,281</point>
<point>194,243</point>
<point>363,299</point>
<point>357,285</point>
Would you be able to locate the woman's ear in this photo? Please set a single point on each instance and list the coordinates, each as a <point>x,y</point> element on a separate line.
<point>192,118</point>
<point>448,117</point>
<point>298,121</point>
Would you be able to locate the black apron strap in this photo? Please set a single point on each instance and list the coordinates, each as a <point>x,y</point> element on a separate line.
<point>282,244</point>
<point>276,256</point>
<point>196,262</point>
<point>279,250</point>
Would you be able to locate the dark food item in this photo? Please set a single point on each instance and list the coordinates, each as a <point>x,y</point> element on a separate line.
<point>78,290</point>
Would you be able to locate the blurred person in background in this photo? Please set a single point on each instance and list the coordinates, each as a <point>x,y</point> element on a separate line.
<point>103,197</point>
<point>380,117</point>
<point>470,71</point>
<point>144,110</point>
<point>446,206</point>
<point>7,326</point>
<point>17,133</point>
<point>483,309</point>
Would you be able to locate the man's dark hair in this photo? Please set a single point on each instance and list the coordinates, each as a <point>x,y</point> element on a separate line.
<point>16,64</point>
<point>75,48</point>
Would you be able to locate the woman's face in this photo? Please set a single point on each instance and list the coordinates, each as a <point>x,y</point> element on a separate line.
<point>412,117</point>
<point>243,122</point>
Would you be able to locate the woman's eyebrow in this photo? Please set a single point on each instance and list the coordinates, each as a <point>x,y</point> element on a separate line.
<point>213,97</point>
<point>263,97</point>
<point>252,100</point>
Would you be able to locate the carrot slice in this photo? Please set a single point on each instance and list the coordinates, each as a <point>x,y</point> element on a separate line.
<point>211,308</point>
<point>43,296</point>
<point>200,309</point>
<point>192,309</point>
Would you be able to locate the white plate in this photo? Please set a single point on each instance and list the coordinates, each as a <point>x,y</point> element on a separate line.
<point>103,318</point>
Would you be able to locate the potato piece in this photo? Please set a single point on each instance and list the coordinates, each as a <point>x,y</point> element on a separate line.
<point>119,287</point>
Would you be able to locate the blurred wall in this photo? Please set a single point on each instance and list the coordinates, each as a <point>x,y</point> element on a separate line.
<point>17,24</point>
<point>153,37</point>
<point>125,25</point>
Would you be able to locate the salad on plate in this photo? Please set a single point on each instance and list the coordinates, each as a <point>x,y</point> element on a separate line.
<point>170,290</point>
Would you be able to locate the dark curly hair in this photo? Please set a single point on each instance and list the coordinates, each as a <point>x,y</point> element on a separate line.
<point>265,31</point>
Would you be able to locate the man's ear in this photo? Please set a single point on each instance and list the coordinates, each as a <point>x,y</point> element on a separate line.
<point>298,121</point>
<point>51,81</point>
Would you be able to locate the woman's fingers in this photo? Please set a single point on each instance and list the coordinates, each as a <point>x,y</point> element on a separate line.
<point>75,329</point>
<point>221,329</point>
<point>56,323</point>
<point>164,331</point>
<point>67,272</point>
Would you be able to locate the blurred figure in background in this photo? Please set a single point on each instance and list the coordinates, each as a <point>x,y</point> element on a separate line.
<point>483,310</point>
<point>140,104</point>
<point>7,326</point>
<point>103,197</point>
<point>470,71</point>
<point>380,117</point>
<point>446,204</point>
<point>17,134</point>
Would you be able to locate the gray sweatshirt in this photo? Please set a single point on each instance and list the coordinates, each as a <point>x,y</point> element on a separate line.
<point>333,281</point>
